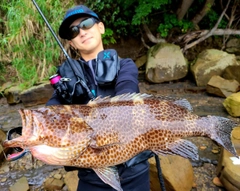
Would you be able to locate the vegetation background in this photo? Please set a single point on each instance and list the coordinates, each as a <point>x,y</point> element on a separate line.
<point>29,53</point>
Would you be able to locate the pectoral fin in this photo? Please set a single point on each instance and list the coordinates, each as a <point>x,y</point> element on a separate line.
<point>107,139</point>
<point>110,176</point>
<point>72,152</point>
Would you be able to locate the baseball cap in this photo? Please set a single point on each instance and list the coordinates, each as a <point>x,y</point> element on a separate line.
<point>73,14</point>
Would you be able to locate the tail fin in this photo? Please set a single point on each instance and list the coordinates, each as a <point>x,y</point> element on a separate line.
<point>221,133</point>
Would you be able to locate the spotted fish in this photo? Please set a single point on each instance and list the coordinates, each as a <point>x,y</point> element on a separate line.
<point>109,131</point>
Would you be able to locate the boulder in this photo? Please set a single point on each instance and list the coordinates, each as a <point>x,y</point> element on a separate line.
<point>12,95</point>
<point>165,62</point>
<point>229,173</point>
<point>233,46</point>
<point>177,173</point>
<point>53,184</point>
<point>141,61</point>
<point>232,73</point>
<point>232,104</point>
<point>211,62</point>
<point>21,184</point>
<point>37,95</point>
<point>222,87</point>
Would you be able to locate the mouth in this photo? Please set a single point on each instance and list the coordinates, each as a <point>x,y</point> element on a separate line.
<point>86,40</point>
<point>16,156</point>
<point>17,152</point>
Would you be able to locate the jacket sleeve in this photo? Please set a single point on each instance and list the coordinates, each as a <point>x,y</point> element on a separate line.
<point>127,80</point>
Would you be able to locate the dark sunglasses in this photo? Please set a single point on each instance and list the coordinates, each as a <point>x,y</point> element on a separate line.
<point>85,24</point>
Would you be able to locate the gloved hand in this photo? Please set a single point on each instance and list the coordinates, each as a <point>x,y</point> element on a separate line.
<point>141,157</point>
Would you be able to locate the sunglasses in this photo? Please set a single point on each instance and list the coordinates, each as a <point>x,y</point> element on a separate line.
<point>84,25</point>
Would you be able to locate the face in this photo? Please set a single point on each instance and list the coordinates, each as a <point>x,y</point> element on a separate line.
<point>88,41</point>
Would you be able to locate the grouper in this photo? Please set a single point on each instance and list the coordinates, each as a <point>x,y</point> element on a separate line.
<point>111,130</point>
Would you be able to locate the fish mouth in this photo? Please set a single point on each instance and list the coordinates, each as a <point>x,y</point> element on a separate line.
<point>17,155</point>
<point>18,152</point>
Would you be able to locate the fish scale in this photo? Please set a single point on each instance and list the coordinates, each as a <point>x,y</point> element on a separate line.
<point>109,131</point>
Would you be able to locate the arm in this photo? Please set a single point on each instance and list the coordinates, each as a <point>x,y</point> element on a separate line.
<point>127,81</point>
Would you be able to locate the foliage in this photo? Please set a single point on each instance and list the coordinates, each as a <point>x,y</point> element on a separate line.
<point>170,22</point>
<point>210,20</point>
<point>27,41</point>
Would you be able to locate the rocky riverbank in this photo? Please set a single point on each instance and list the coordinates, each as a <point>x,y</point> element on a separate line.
<point>33,175</point>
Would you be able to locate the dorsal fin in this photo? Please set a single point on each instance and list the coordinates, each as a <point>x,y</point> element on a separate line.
<point>138,97</point>
<point>184,103</point>
<point>119,98</point>
<point>178,101</point>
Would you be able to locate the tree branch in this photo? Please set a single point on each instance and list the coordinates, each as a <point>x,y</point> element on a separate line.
<point>209,32</point>
<point>151,37</point>
<point>208,4</point>
<point>182,10</point>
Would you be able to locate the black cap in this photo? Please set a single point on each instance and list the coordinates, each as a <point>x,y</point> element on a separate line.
<point>73,14</point>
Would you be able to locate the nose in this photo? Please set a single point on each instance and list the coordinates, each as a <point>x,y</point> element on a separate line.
<point>82,32</point>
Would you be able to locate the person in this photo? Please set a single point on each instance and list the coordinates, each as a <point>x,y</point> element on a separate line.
<point>83,29</point>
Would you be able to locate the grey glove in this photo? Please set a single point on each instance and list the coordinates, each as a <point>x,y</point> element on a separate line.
<point>141,157</point>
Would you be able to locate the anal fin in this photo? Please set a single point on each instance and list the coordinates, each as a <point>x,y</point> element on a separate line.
<point>183,148</point>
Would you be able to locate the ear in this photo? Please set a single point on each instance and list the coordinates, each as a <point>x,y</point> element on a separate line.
<point>71,44</point>
<point>101,27</point>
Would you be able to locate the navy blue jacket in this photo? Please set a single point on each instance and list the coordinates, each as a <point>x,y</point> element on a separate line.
<point>127,82</point>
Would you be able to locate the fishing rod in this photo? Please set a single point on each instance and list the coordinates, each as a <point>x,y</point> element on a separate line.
<point>77,71</point>
<point>50,28</point>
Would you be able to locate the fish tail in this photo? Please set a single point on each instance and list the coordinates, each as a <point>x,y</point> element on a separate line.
<point>221,132</point>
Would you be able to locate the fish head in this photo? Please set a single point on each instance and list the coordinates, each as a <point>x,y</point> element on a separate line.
<point>31,129</point>
<point>52,127</point>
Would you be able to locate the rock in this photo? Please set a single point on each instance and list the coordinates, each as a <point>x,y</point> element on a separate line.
<point>37,95</point>
<point>141,61</point>
<point>57,176</point>
<point>232,73</point>
<point>53,184</point>
<point>4,168</point>
<point>165,62</point>
<point>21,184</point>
<point>71,180</point>
<point>177,173</point>
<point>2,138</point>
<point>5,86</point>
<point>222,87</point>
<point>236,134</point>
<point>228,173</point>
<point>232,104</point>
<point>233,46</point>
<point>217,182</point>
<point>209,63</point>
<point>12,95</point>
